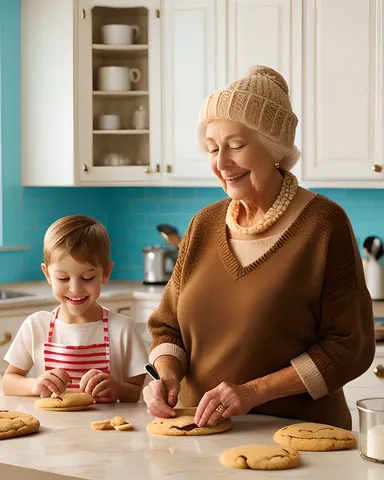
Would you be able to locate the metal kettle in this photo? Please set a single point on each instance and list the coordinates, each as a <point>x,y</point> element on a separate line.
<point>159,263</point>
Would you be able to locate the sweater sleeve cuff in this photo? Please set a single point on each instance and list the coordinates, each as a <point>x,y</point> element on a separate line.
<point>310,376</point>
<point>169,349</point>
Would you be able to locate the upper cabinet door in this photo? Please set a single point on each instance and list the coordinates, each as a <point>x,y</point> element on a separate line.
<point>267,32</point>
<point>259,32</point>
<point>194,66</point>
<point>343,90</point>
<point>119,73</point>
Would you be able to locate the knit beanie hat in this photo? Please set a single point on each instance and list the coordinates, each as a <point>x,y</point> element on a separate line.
<point>259,100</point>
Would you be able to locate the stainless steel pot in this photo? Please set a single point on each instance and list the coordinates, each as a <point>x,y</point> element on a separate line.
<point>159,263</point>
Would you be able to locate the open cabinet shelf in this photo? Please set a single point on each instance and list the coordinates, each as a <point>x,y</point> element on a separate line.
<point>120,51</point>
<point>120,132</point>
<point>130,93</point>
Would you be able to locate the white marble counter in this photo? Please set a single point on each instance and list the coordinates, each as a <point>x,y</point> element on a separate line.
<point>41,292</point>
<point>67,445</point>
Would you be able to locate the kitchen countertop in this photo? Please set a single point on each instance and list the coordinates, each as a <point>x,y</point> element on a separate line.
<point>41,292</point>
<point>67,445</point>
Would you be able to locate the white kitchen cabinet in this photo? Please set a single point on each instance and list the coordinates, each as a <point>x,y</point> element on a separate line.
<point>144,308</point>
<point>8,329</point>
<point>260,32</point>
<point>267,32</point>
<point>342,92</point>
<point>207,44</point>
<point>193,53</point>
<point>61,52</point>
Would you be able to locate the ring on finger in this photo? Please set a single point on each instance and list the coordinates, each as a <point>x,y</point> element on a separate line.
<point>221,407</point>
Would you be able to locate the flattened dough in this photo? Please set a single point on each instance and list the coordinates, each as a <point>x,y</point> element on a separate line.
<point>184,425</point>
<point>17,424</point>
<point>260,457</point>
<point>315,437</point>
<point>66,402</point>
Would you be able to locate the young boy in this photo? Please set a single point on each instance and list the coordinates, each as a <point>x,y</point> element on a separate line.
<point>80,346</point>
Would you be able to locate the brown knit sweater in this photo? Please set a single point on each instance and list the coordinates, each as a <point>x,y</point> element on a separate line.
<point>306,294</point>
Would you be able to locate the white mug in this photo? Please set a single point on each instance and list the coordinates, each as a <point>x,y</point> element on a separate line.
<point>118,78</point>
<point>109,122</point>
<point>119,34</point>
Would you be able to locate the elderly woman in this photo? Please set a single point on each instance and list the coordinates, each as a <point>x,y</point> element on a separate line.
<point>267,310</point>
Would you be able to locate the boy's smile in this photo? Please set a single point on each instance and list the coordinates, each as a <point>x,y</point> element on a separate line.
<point>76,285</point>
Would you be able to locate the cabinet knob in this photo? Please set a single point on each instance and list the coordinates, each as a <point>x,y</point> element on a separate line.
<point>377,168</point>
<point>169,168</point>
<point>147,170</point>
<point>85,168</point>
<point>7,338</point>
<point>379,371</point>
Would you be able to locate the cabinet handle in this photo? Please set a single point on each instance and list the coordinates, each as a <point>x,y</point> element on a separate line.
<point>379,371</point>
<point>7,339</point>
<point>85,168</point>
<point>169,168</point>
<point>157,167</point>
<point>83,13</point>
<point>377,168</point>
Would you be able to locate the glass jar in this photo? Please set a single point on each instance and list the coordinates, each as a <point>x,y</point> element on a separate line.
<point>371,434</point>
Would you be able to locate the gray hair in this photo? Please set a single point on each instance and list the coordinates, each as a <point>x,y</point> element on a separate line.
<point>286,155</point>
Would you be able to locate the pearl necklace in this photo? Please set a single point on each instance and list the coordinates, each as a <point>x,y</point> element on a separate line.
<point>286,194</point>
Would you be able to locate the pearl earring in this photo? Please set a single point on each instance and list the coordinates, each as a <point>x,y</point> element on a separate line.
<point>277,165</point>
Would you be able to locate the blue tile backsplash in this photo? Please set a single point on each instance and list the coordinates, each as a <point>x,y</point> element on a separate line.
<point>130,214</point>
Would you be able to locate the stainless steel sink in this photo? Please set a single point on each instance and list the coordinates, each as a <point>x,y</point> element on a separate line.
<point>6,295</point>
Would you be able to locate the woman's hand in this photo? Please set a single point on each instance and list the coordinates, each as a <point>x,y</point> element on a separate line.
<point>100,385</point>
<point>224,401</point>
<point>161,396</point>
<point>51,381</point>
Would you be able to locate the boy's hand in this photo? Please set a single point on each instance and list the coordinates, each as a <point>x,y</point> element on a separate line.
<point>51,381</point>
<point>100,385</point>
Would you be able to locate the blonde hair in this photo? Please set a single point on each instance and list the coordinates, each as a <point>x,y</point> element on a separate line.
<point>82,237</point>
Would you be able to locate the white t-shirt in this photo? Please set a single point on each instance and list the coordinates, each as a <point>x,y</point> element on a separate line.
<point>128,351</point>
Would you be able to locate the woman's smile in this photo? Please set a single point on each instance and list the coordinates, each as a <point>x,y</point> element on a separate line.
<point>236,178</point>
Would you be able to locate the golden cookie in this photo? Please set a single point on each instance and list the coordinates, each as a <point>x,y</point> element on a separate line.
<point>66,402</point>
<point>17,424</point>
<point>184,425</point>
<point>315,437</point>
<point>260,457</point>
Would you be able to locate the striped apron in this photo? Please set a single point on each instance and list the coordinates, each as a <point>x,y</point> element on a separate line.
<point>76,360</point>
